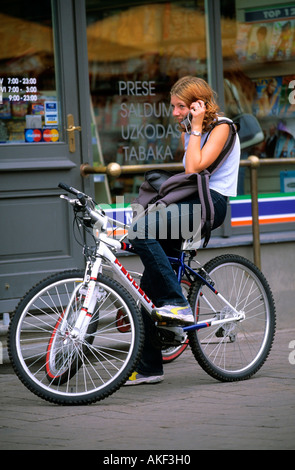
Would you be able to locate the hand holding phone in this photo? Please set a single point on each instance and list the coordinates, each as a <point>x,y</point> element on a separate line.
<point>195,107</point>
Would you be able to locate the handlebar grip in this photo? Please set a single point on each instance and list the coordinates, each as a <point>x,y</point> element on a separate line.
<point>68,188</point>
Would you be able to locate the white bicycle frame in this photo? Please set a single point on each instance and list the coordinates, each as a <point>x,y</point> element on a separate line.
<point>105,244</point>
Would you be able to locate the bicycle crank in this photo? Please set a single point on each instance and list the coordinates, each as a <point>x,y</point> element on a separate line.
<point>171,336</point>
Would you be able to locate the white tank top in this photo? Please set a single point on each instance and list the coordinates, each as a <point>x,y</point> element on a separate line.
<point>225,179</point>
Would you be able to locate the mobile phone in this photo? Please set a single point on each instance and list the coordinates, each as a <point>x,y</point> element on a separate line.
<point>187,122</point>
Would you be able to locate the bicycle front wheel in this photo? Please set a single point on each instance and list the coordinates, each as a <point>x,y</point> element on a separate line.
<point>71,370</point>
<point>234,350</point>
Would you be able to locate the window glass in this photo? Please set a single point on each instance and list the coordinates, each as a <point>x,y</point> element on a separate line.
<point>258,41</point>
<point>136,52</point>
<point>28,96</point>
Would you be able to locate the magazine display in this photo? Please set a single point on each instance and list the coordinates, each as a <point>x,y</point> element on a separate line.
<point>266,41</point>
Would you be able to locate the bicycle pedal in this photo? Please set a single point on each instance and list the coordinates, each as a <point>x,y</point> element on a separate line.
<point>172,336</point>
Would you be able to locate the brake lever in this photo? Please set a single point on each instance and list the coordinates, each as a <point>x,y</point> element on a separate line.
<point>74,202</point>
<point>71,201</point>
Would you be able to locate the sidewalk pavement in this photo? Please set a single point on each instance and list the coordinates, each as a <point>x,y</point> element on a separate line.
<point>188,411</point>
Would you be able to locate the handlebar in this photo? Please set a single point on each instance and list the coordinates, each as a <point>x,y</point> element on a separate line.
<point>67,188</point>
<point>81,196</point>
<point>100,220</point>
<point>86,204</point>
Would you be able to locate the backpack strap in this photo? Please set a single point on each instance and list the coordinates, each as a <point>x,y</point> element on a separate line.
<point>227,147</point>
<point>204,177</point>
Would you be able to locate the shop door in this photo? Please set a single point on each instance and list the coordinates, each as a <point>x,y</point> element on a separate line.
<point>44,93</point>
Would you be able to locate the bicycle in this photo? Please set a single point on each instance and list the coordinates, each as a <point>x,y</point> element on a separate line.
<point>76,337</point>
<point>170,352</point>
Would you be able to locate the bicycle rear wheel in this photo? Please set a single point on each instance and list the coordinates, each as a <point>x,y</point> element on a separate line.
<point>235,350</point>
<point>74,371</point>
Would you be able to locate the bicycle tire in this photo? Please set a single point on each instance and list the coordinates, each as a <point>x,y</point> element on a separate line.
<point>77,372</point>
<point>237,350</point>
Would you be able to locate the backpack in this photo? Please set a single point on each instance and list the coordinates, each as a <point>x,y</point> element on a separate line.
<point>162,187</point>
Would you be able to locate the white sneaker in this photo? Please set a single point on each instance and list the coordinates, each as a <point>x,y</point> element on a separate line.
<point>174,313</point>
<point>138,379</point>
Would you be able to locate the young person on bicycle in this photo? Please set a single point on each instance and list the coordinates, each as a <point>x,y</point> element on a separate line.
<point>188,95</point>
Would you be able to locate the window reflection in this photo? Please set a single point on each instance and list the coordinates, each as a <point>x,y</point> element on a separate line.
<point>135,55</point>
<point>28,99</point>
<point>258,60</point>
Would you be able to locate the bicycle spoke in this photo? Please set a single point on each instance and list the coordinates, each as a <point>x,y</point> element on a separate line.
<point>65,366</point>
<point>233,350</point>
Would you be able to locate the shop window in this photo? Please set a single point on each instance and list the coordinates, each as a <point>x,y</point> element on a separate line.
<point>258,43</point>
<point>28,98</point>
<point>136,52</point>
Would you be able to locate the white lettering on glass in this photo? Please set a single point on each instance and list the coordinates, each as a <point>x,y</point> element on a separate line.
<point>140,129</point>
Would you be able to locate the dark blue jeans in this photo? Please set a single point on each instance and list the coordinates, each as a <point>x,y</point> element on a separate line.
<point>159,280</point>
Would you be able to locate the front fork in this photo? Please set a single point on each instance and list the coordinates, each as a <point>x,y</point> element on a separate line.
<point>87,290</point>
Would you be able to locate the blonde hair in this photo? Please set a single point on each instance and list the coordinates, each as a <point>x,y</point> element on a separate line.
<point>189,89</point>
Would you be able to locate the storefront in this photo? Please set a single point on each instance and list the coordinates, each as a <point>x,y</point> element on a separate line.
<point>131,73</point>
<point>89,80</point>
